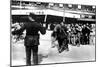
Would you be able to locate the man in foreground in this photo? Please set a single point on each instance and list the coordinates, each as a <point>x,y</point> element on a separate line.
<point>31,40</point>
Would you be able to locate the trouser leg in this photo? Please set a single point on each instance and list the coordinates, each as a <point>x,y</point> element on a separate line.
<point>65,44</point>
<point>83,40</point>
<point>67,48</point>
<point>60,43</point>
<point>88,39</point>
<point>28,55</point>
<point>35,55</point>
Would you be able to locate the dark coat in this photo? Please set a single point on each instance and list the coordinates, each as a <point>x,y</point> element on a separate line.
<point>86,31</point>
<point>32,32</point>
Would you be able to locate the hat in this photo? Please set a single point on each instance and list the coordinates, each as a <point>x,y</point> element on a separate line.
<point>32,16</point>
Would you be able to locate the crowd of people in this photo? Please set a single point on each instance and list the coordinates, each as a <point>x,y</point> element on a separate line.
<point>73,34</point>
<point>80,34</point>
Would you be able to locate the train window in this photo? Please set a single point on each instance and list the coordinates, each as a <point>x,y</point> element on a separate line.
<point>60,5</point>
<point>79,6</point>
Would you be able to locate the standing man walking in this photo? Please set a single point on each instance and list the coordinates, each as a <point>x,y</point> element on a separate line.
<point>31,40</point>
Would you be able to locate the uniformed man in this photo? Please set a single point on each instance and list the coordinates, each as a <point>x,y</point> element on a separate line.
<point>31,41</point>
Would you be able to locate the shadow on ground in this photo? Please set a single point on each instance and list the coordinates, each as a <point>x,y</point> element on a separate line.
<point>40,58</point>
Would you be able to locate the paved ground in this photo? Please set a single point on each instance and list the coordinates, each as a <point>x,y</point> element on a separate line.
<point>51,55</point>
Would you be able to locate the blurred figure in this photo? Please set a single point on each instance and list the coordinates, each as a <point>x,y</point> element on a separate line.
<point>86,33</point>
<point>60,32</point>
<point>78,30</point>
<point>52,26</point>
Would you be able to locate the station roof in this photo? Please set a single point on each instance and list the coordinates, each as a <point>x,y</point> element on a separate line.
<point>83,2</point>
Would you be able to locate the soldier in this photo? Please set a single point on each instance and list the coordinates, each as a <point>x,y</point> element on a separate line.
<point>31,41</point>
